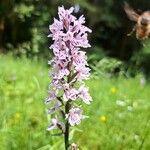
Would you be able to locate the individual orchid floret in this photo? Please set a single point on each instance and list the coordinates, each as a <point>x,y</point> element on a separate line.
<point>55,124</point>
<point>84,94</point>
<point>73,146</point>
<point>55,108</point>
<point>70,94</point>
<point>83,73</point>
<point>51,96</point>
<point>75,116</point>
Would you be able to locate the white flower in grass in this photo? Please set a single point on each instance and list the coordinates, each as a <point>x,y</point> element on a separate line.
<point>121,103</point>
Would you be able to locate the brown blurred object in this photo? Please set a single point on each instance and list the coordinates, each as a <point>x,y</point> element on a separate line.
<point>142,26</point>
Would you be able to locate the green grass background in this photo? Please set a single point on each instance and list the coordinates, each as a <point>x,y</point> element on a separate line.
<point>23,118</point>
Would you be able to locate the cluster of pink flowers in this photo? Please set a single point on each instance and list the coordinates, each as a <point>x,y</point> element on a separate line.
<point>69,68</point>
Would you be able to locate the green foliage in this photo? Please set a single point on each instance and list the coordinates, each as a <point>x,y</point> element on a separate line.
<point>140,59</point>
<point>23,10</point>
<point>95,54</point>
<point>108,66</point>
<point>122,103</point>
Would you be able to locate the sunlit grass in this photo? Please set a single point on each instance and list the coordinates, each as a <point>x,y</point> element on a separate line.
<point>117,116</point>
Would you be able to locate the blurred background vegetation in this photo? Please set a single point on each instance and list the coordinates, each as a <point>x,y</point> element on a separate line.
<point>24,29</point>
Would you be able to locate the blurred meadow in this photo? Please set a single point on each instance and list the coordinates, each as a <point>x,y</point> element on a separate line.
<point>119,116</point>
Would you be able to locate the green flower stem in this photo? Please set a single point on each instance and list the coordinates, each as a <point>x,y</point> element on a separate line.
<point>66,133</point>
